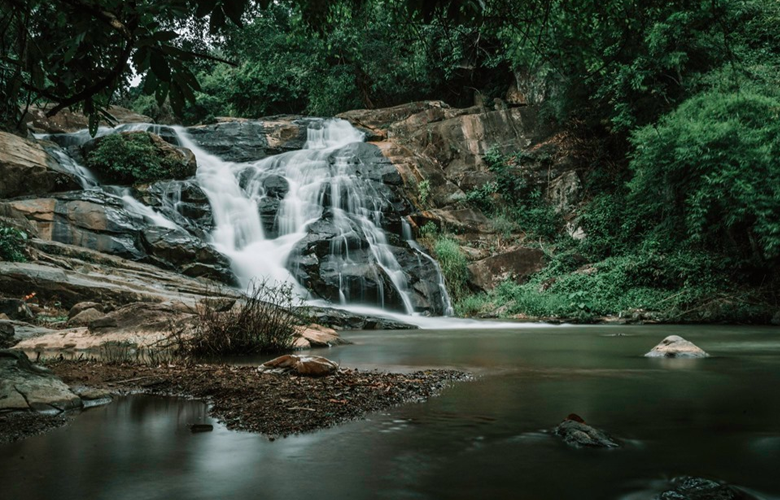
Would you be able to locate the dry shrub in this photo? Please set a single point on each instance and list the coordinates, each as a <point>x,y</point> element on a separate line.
<point>262,321</point>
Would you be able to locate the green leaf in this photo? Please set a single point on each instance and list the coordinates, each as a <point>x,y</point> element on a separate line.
<point>160,66</point>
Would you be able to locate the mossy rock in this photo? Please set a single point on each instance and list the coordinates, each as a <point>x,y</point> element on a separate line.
<point>134,157</point>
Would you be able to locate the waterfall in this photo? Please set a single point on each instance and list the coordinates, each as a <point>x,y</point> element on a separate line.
<point>264,213</point>
<point>306,184</point>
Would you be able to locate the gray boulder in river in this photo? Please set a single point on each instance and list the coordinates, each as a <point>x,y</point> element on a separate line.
<point>675,346</point>
<point>577,434</point>
<point>696,488</point>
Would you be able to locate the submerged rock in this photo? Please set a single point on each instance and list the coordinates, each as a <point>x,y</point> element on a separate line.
<point>312,366</point>
<point>675,346</point>
<point>576,433</point>
<point>25,386</point>
<point>697,488</point>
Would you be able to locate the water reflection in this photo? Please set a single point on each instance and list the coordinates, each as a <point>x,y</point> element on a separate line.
<point>715,417</point>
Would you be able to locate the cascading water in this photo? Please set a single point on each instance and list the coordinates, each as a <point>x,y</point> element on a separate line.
<point>304,186</point>
<point>264,211</point>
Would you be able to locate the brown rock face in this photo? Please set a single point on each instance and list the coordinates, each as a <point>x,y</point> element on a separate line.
<point>430,141</point>
<point>27,168</point>
<point>517,264</point>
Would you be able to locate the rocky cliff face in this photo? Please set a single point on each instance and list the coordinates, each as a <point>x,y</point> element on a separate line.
<point>429,142</point>
<point>445,148</point>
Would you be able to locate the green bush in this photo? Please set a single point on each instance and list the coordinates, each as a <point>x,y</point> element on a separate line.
<point>708,175</point>
<point>137,157</point>
<point>12,244</point>
<point>454,266</point>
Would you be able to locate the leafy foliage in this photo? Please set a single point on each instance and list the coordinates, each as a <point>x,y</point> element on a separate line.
<point>708,174</point>
<point>12,244</point>
<point>134,157</point>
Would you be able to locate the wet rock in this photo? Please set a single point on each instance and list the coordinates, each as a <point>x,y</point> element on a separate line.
<point>15,309</point>
<point>25,386</point>
<point>312,366</point>
<point>697,488</point>
<point>344,320</point>
<point>85,317</point>
<point>93,397</point>
<point>27,168</point>
<point>675,346</point>
<point>181,201</point>
<point>201,428</point>
<point>99,221</point>
<point>248,140</point>
<point>518,265</point>
<point>577,434</point>
<point>180,250</point>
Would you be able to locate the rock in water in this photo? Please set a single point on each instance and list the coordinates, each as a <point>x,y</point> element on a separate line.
<point>696,488</point>
<point>576,433</point>
<point>675,346</point>
<point>25,386</point>
<point>312,366</point>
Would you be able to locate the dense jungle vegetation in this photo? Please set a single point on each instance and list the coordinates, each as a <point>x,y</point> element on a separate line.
<point>675,105</point>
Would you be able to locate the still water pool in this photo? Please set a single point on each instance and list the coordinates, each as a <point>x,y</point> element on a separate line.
<point>715,417</point>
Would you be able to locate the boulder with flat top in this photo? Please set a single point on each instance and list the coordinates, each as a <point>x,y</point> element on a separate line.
<point>675,346</point>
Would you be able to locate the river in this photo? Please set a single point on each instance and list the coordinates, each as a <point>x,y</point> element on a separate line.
<point>715,417</point>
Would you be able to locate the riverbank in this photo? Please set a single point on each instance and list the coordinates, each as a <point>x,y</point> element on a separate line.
<point>244,399</point>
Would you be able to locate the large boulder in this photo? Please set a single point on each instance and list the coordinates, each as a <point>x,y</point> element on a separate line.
<point>675,346</point>
<point>180,201</point>
<point>27,168</point>
<point>248,140</point>
<point>25,386</point>
<point>181,162</point>
<point>577,434</point>
<point>101,221</point>
<point>517,265</point>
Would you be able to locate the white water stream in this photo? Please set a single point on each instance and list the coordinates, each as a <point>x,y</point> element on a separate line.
<point>319,182</point>
<point>318,178</point>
